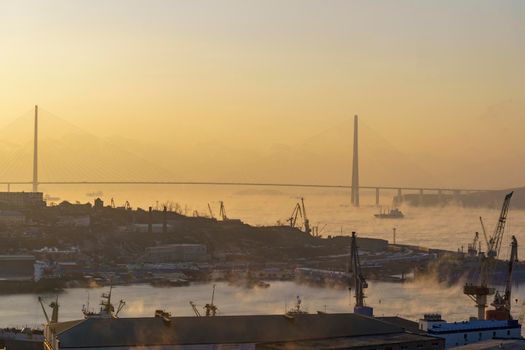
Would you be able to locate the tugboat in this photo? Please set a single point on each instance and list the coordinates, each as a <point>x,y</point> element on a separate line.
<point>296,310</point>
<point>107,310</point>
<point>392,214</point>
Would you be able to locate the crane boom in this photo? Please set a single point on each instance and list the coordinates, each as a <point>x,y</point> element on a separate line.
<point>195,310</point>
<point>307,228</point>
<point>359,280</point>
<point>497,237</point>
<point>502,302</point>
<point>222,212</point>
<point>484,231</point>
<point>43,309</point>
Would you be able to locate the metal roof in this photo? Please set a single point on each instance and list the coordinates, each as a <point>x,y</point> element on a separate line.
<point>218,330</point>
<point>355,342</point>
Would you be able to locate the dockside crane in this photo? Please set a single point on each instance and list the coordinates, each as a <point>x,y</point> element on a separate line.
<point>360,283</point>
<point>307,228</point>
<point>222,212</point>
<point>502,302</point>
<point>479,293</point>
<point>195,310</point>
<point>473,249</point>
<point>211,211</point>
<point>54,306</point>
<point>295,214</point>
<point>211,308</point>
<point>300,211</point>
<point>494,243</point>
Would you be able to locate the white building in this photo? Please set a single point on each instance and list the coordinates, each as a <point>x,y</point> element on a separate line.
<point>468,332</point>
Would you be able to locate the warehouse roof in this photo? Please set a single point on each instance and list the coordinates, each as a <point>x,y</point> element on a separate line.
<point>218,330</point>
<point>353,342</point>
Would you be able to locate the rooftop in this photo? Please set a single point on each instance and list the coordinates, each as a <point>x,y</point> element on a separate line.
<point>496,344</point>
<point>472,325</point>
<point>218,330</point>
<point>349,342</point>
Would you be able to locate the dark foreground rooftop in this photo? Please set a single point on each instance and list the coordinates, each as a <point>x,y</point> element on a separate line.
<point>256,329</point>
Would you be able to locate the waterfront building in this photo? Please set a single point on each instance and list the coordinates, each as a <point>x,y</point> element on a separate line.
<point>253,332</point>
<point>468,332</point>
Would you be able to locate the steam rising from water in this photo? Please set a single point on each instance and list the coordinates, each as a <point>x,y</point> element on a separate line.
<point>409,300</point>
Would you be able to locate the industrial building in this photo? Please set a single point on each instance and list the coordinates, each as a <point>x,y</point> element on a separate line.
<point>17,267</point>
<point>468,332</point>
<point>21,200</point>
<point>308,331</point>
<point>176,253</point>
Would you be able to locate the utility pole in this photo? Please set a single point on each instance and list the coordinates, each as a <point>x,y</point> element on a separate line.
<point>394,232</point>
<point>35,153</point>
<point>355,165</point>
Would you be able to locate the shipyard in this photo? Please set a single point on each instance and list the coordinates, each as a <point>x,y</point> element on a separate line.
<point>262,175</point>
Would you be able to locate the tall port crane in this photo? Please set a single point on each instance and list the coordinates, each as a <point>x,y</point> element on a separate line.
<point>211,308</point>
<point>307,228</point>
<point>211,211</point>
<point>478,293</point>
<point>54,306</point>
<point>195,310</point>
<point>502,302</point>
<point>222,212</point>
<point>472,248</point>
<point>295,214</point>
<point>359,280</point>
<point>300,211</point>
<point>494,242</point>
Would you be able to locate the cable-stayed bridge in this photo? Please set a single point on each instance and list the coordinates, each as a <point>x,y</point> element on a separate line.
<point>355,186</point>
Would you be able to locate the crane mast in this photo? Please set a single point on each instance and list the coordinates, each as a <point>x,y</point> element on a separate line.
<point>222,212</point>
<point>307,228</point>
<point>300,211</point>
<point>502,302</point>
<point>497,236</point>
<point>359,280</point>
<point>478,293</point>
<point>295,214</point>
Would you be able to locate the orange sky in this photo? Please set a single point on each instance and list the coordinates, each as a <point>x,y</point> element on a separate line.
<point>242,90</point>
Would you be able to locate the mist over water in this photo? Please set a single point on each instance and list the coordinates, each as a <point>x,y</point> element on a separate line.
<point>409,300</point>
<point>447,227</point>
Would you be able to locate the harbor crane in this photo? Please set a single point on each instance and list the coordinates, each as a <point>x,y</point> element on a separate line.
<point>307,228</point>
<point>475,247</point>
<point>211,211</point>
<point>54,306</point>
<point>479,293</point>
<point>494,242</point>
<point>300,211</point>
<point>360,283</point>
<point>502,302</point>
<point>211,308</point>
<point>222,212</point>
<point>195,310</point>
<point>295,214</point>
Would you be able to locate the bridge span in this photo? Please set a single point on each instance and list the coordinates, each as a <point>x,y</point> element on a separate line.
<point>378,189</point>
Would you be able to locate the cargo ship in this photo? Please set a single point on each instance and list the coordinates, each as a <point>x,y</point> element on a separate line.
<point>391,214</point>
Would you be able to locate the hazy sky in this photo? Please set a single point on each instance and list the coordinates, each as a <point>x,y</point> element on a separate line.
<point>266,89</point>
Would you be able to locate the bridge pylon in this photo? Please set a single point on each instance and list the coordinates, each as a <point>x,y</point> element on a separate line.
<point>355,165</point>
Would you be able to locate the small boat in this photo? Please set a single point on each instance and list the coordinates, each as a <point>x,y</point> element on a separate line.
<point>392,214</point>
